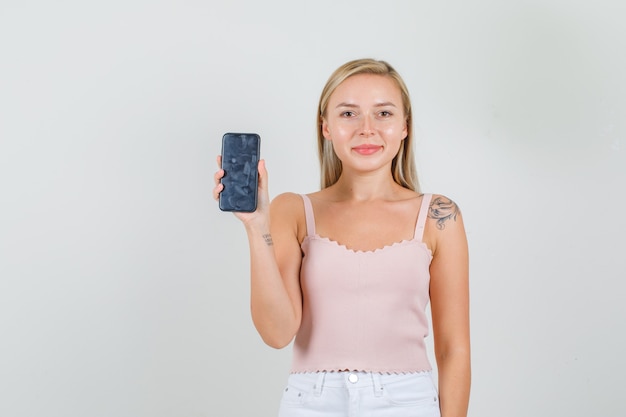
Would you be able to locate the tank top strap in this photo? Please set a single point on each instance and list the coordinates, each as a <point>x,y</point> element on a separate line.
<point>421,217</point>
<point>308,215</point>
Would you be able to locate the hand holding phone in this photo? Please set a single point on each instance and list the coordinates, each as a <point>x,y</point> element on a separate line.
<point>240,159</point>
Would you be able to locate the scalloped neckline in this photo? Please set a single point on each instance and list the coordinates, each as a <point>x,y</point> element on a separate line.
<point>403,242</point>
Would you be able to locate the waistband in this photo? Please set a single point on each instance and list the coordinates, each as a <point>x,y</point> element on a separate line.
<point>348,379</point>
<point>353,379</point>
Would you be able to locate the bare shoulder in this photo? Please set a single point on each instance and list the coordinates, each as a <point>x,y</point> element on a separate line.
<point>287,201</point>
<point>443,212</point>
<point>444,231</point>
<point>287,214</point>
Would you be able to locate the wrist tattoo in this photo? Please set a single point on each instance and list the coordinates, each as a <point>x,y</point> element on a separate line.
<point>268,239</point>
<point>443,209</point>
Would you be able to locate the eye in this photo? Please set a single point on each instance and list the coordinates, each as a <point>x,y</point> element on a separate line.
<point>348,113</point>
<point>385,113</point>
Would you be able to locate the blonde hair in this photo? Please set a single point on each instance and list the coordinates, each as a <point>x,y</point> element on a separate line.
<point>403,165</point>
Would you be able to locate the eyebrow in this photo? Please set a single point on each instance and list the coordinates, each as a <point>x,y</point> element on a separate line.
<point>350,105</point>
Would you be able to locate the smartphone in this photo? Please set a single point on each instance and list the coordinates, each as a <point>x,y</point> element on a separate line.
<point>240,160</point>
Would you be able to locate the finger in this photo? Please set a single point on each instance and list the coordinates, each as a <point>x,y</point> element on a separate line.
<point>262,174</point>
<point>217,190</point>
<point>219,187</point>
<point>219,174</point>
<point>219,161</point>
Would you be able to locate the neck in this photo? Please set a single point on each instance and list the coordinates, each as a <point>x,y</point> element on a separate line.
<point>366,187</point>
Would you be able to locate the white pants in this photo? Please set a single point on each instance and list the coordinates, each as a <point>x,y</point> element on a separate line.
<point>360,394</point>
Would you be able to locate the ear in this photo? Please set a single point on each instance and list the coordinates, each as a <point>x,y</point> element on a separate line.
<point>405,130</point>
<point>325,131</point>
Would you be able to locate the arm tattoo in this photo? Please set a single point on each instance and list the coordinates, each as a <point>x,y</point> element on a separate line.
<point>268,239</point>
<point>443,209</point>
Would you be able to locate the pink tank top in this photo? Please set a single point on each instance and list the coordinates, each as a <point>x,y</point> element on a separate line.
<point>363,310</point>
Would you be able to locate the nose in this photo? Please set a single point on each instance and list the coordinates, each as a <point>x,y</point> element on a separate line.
<point>366,127</point>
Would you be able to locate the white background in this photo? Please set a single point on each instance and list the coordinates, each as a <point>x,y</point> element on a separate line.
<point>124,290</point>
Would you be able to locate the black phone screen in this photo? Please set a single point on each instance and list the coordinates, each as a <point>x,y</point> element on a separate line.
<point>240,159</point>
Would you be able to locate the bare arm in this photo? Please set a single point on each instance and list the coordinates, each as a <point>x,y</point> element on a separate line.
<point>449,292</point>
<point>275,299</point>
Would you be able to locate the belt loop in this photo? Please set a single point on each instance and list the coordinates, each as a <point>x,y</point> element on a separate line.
<point>377,383</point>
<point>319,384</point>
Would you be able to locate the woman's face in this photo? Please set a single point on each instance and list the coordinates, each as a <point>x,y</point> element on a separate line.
<point>365,121</point>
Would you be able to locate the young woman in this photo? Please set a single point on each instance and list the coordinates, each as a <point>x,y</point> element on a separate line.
<point>349,270</point>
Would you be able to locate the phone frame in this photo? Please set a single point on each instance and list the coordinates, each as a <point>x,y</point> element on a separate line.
<point>240,159</point>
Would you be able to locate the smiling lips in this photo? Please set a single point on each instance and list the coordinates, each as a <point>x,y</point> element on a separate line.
<point>366,149</point>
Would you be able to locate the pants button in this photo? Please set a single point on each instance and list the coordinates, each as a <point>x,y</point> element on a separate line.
<point>353,378</point>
